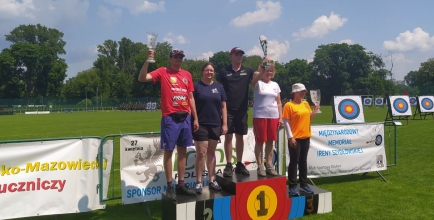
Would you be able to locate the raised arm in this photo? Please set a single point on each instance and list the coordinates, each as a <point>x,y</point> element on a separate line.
<point>144,76</point>
<point>258,75</point>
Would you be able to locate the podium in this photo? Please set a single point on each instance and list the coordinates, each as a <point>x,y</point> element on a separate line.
<point>247,197</point>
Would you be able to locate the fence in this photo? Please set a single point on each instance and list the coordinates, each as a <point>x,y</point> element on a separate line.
<point>95,104</point>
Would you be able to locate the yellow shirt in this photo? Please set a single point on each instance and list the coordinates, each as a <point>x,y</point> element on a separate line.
<point>299,118</point>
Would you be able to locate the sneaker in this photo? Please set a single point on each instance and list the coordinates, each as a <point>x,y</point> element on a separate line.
<point>306,189</point>
<point>294,192</point>
<point>241,169</point>
<point>170,193</point>
<point>198,188</point>
<point>215,186</point>
<point>227,172</point>
<point>184,190</point>
<point>271,171</point>
<point>261,171</point>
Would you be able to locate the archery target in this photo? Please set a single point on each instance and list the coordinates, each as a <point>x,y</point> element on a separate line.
<point>426,103</point>
<point>413,101</point>
<point>400,105</point>
<point>379,101</point>
<point>348,109</point>
<point>367,101</point>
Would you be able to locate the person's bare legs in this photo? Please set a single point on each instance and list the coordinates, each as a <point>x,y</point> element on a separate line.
<point>167,163</point>
<point>239,146</point>
<point>259,153</point>
<point>182,152</point>
<point>199,163</point>
<point>269,152</point>
<point>211,159</point>
<point>228,147</point>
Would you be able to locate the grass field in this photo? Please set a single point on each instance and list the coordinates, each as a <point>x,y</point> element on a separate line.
<point>408,194</point>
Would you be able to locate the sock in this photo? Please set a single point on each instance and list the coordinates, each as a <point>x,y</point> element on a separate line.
<point>229,164</point>
<point>169,184</point>
<point>239,163</point>
<point>181,182</point>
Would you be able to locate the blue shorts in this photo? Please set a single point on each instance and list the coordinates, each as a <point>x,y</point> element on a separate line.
<point>176,133</point>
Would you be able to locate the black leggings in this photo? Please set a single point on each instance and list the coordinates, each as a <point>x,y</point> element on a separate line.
<point>298,156</point>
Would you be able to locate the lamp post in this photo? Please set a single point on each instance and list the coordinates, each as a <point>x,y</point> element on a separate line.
<point>85,91</point>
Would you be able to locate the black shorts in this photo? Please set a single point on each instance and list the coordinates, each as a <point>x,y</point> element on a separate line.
<point>207,132</point>
<point>237,122</point>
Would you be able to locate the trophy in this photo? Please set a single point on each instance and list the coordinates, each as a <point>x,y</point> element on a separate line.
<point>152,44</point>
<point>263,41</point>
<point>315,96</point>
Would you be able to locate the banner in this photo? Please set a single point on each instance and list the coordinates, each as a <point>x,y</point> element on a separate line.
<point>51,177</point>
<point>346,149</point>
<point>142,172</point>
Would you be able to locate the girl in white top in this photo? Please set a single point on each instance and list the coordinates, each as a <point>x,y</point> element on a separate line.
<point>267,116</point>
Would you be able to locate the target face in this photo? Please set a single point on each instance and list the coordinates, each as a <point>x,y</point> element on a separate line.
<point>349,109</point>
<point>378,140</point>
<point>413,101</point>
<point>154,105</point>
<point>379,101</point>
<point>367,101</point>
<point>427,103</point>
<point>400,105</point>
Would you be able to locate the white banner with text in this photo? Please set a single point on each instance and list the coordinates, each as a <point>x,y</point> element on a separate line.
<point>51,177</point>
<point>346,149</point>
<point>142,173</point>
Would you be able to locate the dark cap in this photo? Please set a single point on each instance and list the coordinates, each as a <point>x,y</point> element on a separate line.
<point>236,49</point>
<point>176,52</point>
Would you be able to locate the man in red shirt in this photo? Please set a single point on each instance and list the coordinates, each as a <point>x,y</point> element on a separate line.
<point>177,107</point>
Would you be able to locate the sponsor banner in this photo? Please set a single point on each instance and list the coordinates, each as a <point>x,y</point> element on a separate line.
<point>51,177</point>
<point>142,174</point>
<point>346,149</point>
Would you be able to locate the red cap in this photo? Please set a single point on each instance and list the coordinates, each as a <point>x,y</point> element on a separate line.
<point>237,49</point>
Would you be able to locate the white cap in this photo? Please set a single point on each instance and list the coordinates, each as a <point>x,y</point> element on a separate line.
<point>298,87</point>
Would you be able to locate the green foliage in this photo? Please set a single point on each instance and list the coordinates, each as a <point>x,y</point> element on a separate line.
<point>344,69</point>
<point>422,77</point>
<point>220,60</point>
<point>31,66</point>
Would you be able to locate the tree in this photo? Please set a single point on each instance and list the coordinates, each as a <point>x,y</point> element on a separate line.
<point>35,51</point>
<point>220,60</point>
<point>410,78</point>
<point>84,84</point>
<point>346,69</point>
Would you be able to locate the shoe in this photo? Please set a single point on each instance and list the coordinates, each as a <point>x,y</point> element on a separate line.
<point>184,190</point>
<point>227,172</point>
<point>306,189</point>
<point>271,171</point>
<point>294,192</point>
<point>170,193</point>
<point>215,186</point>
<point>241,169</point>
<point>198,188</point>
<point>261,171</point>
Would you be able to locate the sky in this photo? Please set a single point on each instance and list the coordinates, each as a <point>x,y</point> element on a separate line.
<point>402,32</point>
